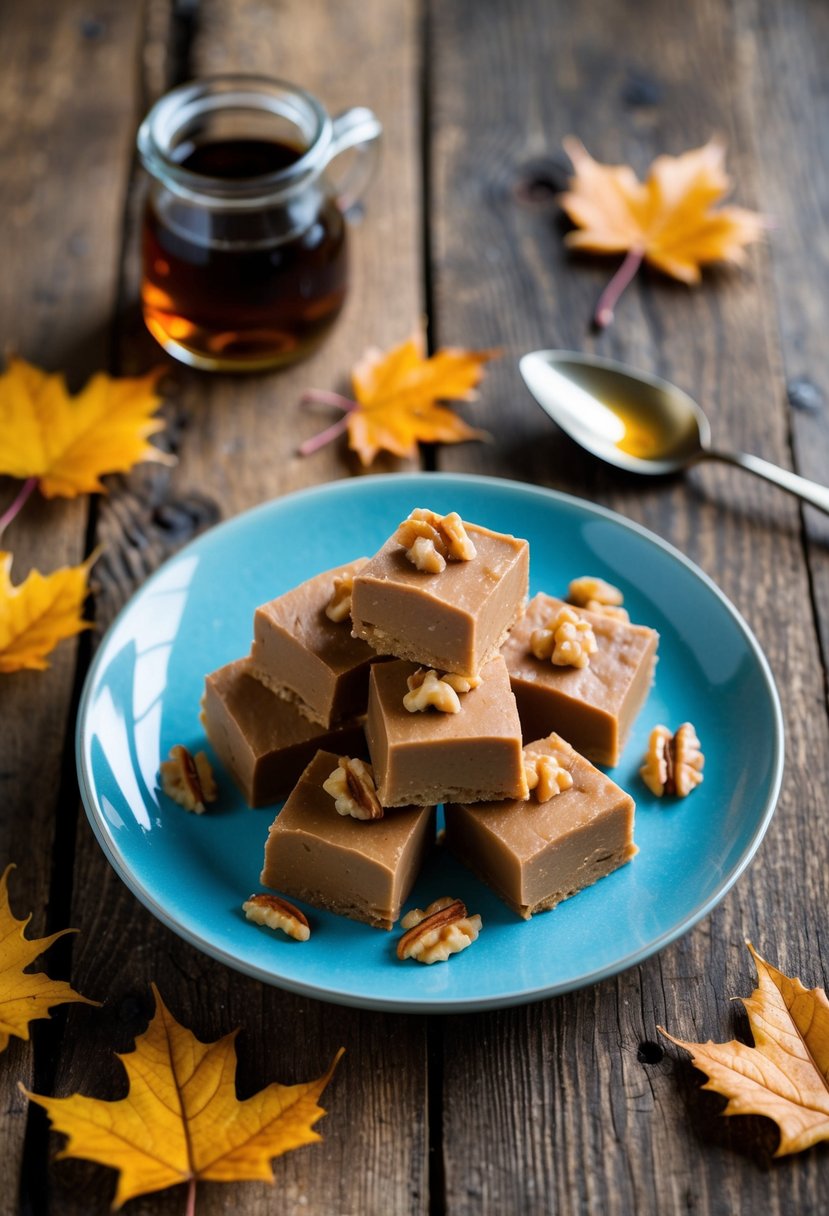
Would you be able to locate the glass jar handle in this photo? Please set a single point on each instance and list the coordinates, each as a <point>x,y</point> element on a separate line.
<point>360,129</point>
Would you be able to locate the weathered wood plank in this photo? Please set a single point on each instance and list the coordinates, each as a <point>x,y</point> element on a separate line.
<point>236,441</point>
<point>549,1109</point>
<point>60,265</point>
<point>237,437</point>
<point>782,52</point>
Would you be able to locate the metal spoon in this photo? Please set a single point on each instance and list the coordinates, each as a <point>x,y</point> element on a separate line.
<point>637,421</point>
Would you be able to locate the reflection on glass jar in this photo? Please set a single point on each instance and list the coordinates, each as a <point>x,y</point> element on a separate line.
<point>244,240</point>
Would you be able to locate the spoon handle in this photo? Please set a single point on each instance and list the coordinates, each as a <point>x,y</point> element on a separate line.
<point>809,491</point>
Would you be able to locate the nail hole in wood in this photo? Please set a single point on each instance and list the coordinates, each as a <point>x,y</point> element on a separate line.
<point>539,181</point>
<point>640,89</point>
<point>804,394</point>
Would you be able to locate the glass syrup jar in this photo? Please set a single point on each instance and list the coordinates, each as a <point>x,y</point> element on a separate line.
<point>244,242</point>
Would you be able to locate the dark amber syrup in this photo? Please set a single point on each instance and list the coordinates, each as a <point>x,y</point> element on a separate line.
<point>225,289</point>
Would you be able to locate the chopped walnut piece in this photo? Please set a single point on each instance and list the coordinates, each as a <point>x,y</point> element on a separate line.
<point>586,591</point>
<point>188,779</point>
<point>277,914</point>
<point>460,683</point>
<point>422,542</point>
<point>688,760</point>
<point>444,928</point>
<point>654,770</point>
<point>352,787</point>
<point>430,690</point>
<point>416,915</point>
<point>425,556</point>
<point>568,640</point>
<point>452,678</point>
<point>545,776</point>
<point>674,763</point>
<point>459,548</point>
<point>339,606</point>
<point>611,610</point>
<point>430,540</point>
<point>597,596</point>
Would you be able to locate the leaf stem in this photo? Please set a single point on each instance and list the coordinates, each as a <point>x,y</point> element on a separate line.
<point>319,441</point>
<point>190,1210</point>
<point>609,298</point>
<point>320,396</point>
<point>17,506</point>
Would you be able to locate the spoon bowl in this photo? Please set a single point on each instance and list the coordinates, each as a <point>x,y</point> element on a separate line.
<point>636,421</point>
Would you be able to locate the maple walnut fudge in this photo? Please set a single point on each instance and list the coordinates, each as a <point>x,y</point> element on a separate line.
<point>263,741</point>
<point>452,618</point>
<point>534,854</point>
<point>360,868</point>
<point>429,757</point>
<point>593,706</point>
<point>303,655</point>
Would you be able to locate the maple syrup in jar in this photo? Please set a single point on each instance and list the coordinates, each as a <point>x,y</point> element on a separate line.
<point>244,239</point>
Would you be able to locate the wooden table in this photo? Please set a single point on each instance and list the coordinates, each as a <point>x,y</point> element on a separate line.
<point>568,1105</point>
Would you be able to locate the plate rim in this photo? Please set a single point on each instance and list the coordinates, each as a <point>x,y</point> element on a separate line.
<point>429,1005</point>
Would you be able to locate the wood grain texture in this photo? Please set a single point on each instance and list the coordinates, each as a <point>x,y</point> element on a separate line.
<point>236,439</point>
<point>575,1122</point>
<point>783,63</point>
<point>59,252</point>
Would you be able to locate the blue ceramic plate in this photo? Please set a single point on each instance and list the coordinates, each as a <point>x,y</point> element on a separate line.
<point>193,872</point>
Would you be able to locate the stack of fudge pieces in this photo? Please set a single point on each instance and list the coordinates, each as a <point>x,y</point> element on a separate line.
<point>353,664</point>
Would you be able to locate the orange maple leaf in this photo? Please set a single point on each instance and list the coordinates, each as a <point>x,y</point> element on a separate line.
<point>39,612</point>
<point>396,400</point>
<point>181,1120</point>
<point>25,995</point>
<point>64,443</point>
<point>785,1075</point>
<point>668,220</point>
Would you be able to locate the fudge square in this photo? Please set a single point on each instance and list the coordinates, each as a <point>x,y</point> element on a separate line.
<point>454,620</point>
<point>429,757</point>
<point>535,854</point>
<point>593,707</point>
<point>306,658</point>
<point>363,869</point>
<point>263,741</point>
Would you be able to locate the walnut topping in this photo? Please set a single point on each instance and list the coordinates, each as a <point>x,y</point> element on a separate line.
<point>568,640</point>
<point>582,591</point>
<point>188,779</point>
<point>277,914</point>
<point>424,554</point>
<point>352,787</point>
<point>452,678</point>
<point>597,596</point>
<point>674,763</point>
<point>428,689</point>
<point>430,540</point>
<point>454,535</point>
<point>339,606</point>
<point>461,683</point>
<point>545,776</point>
<point>611,610</point>
<point>444,928</point>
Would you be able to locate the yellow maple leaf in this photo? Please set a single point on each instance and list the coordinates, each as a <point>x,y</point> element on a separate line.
<point>668,220</point>
<point>785,1075</point>
<point>39,612</point>
<point>67,443</point>
<point>181,1120</point>
<point>25,995</point>
<point>397,395</point>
